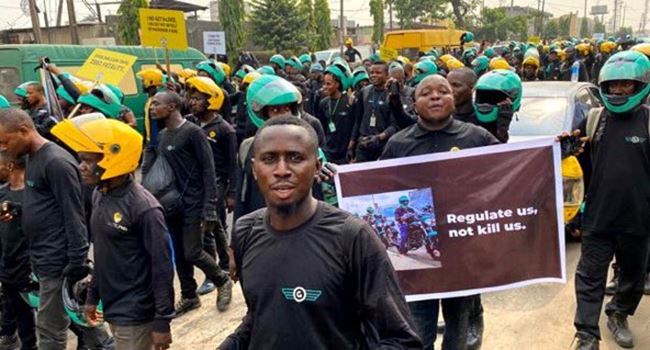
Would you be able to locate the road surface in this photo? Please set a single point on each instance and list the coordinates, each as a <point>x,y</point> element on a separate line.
<point>534,317</point>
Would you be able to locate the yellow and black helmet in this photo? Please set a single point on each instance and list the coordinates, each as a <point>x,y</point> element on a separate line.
<point>120,144</point>
<point>208,87</point>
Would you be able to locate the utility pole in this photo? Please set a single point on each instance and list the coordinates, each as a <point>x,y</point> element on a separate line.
<point>390,14</point>
<point>59,13</point>
<point>644,17</point>
<point>542,22</point>
<point>99,12</point>
<point>341,29</point>
<point>624,6</point>
<point>74,35</point>
<point>36,24</point>
<point>47,23</point>
<point>615,13</point>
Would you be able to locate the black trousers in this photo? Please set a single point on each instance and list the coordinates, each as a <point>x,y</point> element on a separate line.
<point>187,235</point>
<point>368,155</point>
<point>596,253</point>
<point>456,313</point>
<point>215,243</point>
<point>17,315</point>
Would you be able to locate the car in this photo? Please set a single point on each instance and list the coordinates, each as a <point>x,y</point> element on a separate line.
<point>329,55</point>
<point>549,108</point>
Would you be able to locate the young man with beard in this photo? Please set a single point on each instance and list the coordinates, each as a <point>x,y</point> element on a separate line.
<point>437,131</point>
<point>206,100</point>
<point>58,239</point>
<point>188,153</point>
<point>334,286</point>
<point>32,101</point>
<point>133,271</point>
<point>374,121</point>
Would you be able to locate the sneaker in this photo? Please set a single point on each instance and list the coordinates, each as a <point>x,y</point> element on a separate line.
<point>586,341</point>
<point>9,342</point>
<point>646,286</point>
<point>206,288</point>
<point>617,324</point>
<point>224,295</point>
<point>184,305</point>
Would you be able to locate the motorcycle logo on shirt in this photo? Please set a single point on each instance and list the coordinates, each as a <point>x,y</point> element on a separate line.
<point>300,294</point>
<point>635,139</point>
<point>117,218</point>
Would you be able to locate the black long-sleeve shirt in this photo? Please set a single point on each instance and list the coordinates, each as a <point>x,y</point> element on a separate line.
<point>333,286</point>
<point>337,118</point>
<point>14,262</point>
<point>188,152</point>
<point>373,114</point>
<point>134,271</point>
<point>53,213</point>
<point>223,143</point>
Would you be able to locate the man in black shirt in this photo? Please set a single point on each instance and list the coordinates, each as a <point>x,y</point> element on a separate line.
<point>616,219</point>
<point>206,100</point>
<point>374,121</point>
<point>335,114</point>
<point>14,261</point>
<point>58,239</point>
<point>133,273</point>
<point>351,53</point>
<point>437,131</point>
<point>334,286</point>
<point>187,151</point>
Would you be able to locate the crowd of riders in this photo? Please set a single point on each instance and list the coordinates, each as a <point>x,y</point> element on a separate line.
<point>152,198</point>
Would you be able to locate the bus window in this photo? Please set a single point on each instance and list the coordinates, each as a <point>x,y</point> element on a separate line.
<point>9,80</point>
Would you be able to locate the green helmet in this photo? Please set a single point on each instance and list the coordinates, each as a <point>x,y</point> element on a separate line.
<point>116,91</point>
<point>74,301</point>
<point>625,65</point>
<point>295,63</point>
<point>469,54</point>
<point>344,68</point>
<point>358,75</point>
<point>266,70</point>
<point>316,68</point>
<point>480,65</point>
<point>4,103</point>
<point>62,93</point>
<point>30,294</point>
<point>422,70</point>
<point>370,210</point>
<point>102,99</point>
<point>427,58</point>
<point>434,53</point>
<point>339,73</point>
<point>21,90</point>
<point>404,200</point>
<point>270,90</point>
<point>492,88</point>
<point>214,71</point>
<point>374,58</point>
<point>467,37</point>
<point>305,58</point>
<point>489,52</point>
<point>279,60</point>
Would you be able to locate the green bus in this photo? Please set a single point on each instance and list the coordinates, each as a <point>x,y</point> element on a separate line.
<point>17,63</point>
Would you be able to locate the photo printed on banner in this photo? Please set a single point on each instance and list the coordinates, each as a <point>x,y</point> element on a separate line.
<point>405,222</point>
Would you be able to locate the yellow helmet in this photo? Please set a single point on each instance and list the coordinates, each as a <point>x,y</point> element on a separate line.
<point>187,73</point>
<point>120,144</point>
<point>583,49</point>
<point>225,67</point>
<point>608,47</point>
<point>151,77</point>
<point>403,60</point>
<point>531,60</point>
<point>561,54</point>
<point>454,64</point>
<point>643,48</point>
<point>207,86</point>
<point>250,77</point>
<point>348,41</point>
<point>446,57</point>
<point>499,63</point>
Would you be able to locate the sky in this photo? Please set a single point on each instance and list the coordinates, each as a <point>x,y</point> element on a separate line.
<point>11,15</point>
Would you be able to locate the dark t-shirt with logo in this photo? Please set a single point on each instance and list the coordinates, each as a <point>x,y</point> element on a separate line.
<point>618,199</point>
<point>315,286</point>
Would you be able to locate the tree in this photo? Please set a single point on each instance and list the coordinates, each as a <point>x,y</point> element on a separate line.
<point>306,12</point>
<point>277,24</point>
<point>494,25</point>
<point>623,31</point>
<point>128,21</point>
<point>410,12</point>
<point>584,28</point>
<point>551,31</point>
<point>231,16</point>
<point>323,25</point>
<point>564,25</point>
<point>377,13</point>
<point>599,27</point>
<point>462,10</point>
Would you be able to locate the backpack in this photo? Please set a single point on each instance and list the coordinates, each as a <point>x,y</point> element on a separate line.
<point>594,119</point>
